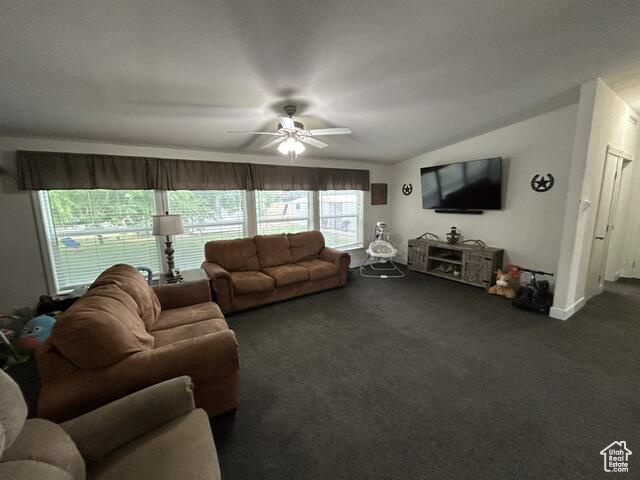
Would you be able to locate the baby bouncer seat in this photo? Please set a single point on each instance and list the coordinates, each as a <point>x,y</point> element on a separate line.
<point>380,251</point>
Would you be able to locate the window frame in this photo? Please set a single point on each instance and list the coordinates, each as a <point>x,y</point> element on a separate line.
<point>46,253</point>
<point>359,243</point>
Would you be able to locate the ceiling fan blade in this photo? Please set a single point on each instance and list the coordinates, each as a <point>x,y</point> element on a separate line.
<point>286,122</point>
<point>253,133</point>
<point>313,142</point>
<point>330,131</point>
<point>274,142</point>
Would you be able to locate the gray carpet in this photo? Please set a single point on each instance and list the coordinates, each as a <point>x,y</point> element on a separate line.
<point>425,378</point>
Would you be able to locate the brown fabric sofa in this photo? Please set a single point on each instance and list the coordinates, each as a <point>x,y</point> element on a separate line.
<point>254,271</point>
<point>122,336</point>
<point>153,433</point>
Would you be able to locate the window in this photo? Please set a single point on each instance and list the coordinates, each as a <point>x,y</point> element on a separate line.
<point>341,217</point>
<point>206,215</point>
<point>87,231</point>
<point>283,211</point>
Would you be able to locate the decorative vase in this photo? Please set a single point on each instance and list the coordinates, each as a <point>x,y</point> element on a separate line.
<point>453,236</point>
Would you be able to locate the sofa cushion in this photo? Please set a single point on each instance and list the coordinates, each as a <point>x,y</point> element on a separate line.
<point>100,329</point>
<point>32,470</point>
<point>305,245</point>
<point>175,317</point>
<point>251,282</point>
<point>190,330</point>
<point>319,269</point>
<point>233,255</point>
<point>44,441</point>
<point>185,444</point>
<point>273,250</point>
<point>287,274</point>
<point>132,282</point>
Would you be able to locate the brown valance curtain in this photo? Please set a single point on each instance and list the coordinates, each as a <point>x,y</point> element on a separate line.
<point>278,177</point>
<point>196,175</point>
<point>64,171</point>
<point>343,179</point>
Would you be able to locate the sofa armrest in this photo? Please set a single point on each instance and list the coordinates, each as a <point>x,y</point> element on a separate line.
<point>205,359</point>
<point>175,295</point>
<point>103,430</point>
<point>221,285</point>
<point>335,256</point>
<point>341,259</point>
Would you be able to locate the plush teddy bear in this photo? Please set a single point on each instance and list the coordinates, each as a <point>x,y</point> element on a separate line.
<point>502,285</point>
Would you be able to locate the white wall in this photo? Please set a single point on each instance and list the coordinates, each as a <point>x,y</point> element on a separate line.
<point>529,226</point>
<point>602,121</point>
<point>23,279</point>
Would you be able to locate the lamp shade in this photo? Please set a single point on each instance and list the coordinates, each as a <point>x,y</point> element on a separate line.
<point>164,225</point>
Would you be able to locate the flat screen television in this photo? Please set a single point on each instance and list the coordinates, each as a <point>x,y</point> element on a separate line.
<point>475,185</point>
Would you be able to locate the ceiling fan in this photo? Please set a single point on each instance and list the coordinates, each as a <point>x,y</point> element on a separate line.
<point>292,135</point>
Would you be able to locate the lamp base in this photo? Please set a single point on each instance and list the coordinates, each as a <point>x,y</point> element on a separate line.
<point>171,276</point>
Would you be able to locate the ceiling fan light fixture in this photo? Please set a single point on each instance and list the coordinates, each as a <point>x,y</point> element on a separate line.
<point>291,135</point>
<point>291,145</point>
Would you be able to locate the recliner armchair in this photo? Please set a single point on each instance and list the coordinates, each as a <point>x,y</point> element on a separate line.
<point>153,433</point>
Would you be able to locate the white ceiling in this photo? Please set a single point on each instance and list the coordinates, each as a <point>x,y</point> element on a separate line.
<point>405,75</point>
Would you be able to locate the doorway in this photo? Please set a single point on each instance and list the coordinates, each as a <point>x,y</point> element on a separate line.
<point>614,169</point>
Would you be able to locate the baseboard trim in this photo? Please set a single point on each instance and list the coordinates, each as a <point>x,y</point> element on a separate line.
<point>565,313</point>
<point>618,275</point>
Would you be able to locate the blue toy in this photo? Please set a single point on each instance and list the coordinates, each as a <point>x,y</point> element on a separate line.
<point>35,332</point>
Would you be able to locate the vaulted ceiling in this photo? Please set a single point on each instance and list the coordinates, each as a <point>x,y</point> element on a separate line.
<point>405,75</point>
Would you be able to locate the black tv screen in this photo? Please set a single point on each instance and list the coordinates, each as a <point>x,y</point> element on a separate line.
<point>475,185</point>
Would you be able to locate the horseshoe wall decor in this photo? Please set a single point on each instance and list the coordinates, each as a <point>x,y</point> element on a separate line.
<point>407,188</point>
<point>542,183</point>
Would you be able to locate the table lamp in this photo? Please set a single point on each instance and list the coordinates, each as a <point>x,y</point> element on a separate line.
<point>165,226</point>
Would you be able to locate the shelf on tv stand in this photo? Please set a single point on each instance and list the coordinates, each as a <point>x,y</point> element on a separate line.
<point>444,259</point>
<point>476,265</point>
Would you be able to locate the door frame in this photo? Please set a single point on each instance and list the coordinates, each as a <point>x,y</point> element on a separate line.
<point>595,286</point>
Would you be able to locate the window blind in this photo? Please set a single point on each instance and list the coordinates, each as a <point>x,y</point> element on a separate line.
<point>341,218</point>
<point>87,231</point>
<point>206,215</point>
<point>283,211</point>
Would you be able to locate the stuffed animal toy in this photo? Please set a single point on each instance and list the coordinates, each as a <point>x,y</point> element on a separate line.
<point>35,332</point>
<point>502,285</point>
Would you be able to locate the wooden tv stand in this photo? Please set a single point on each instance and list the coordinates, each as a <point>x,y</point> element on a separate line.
<point>468,264</point>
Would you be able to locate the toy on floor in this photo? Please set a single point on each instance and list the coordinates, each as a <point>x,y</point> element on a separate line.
<point>35,332</point>
<point>502,286</point>
<point>536,295</point>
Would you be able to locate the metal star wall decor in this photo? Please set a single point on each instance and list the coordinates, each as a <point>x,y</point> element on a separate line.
<point>542,183</point>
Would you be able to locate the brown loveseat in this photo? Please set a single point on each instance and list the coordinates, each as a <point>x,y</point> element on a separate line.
<point>154,433</point>
<point>267,268</point>
<point>122,336</point>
